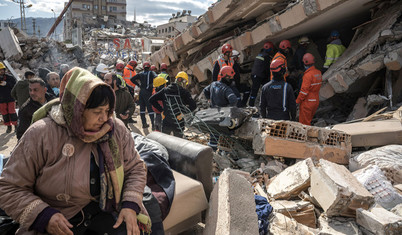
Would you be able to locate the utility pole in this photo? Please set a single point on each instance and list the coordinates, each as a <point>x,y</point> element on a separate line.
<point>33,26</point>
<point>22,13</point>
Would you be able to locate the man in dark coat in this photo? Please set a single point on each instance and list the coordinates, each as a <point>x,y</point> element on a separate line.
<point>7,103</point>
<point>38,97</point>
<point>20,91</point>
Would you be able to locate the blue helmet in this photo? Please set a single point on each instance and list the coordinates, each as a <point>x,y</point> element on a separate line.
<point>335,33</point>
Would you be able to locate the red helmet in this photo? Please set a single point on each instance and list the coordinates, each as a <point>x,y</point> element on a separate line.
<point>285,44</point>
<point>268,45</point>
<point>146,64</point>
<point>153,68</point>
<point>119,66</point>
<point>308,59</point>
<point>133,63</point>
<point>226,72</point>
<point>226,48</point>
<point>277,65</point>
<point>163,66</point>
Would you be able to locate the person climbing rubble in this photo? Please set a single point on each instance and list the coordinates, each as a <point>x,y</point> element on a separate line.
<point>277,97</point>
<point>334,49</point>
<point>260,70</point>
<point>144,81</point>
<point>309,94</point>
<point>7,103</point>
<point>176,102</point>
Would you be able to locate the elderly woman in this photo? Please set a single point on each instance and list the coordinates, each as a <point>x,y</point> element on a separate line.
<point>76,170</point>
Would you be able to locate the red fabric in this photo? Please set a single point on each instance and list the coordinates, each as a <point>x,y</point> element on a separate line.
<point>309,95</point>
<point>7,109</point>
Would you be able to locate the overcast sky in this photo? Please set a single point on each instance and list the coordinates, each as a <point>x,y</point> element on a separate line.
<point>154,11</point>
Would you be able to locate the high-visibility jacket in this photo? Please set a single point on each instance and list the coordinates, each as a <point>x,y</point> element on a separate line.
<point>218,64</point>
<point>165,76</point>
<point>334,50</point>
<point>280,56</point>
<point>128,73</point>
<point>309,95</point>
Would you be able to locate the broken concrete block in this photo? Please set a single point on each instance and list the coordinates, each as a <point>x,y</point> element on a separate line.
<point>397,210</point>
<point>283,225</point>
<point>374,180</point>
<point>260,33</point>
<point>375,133</point>
<point>232,206</point>
<point>273,168</point>
<point>337,191</point>
<point>9,44</point>
<point>301,211</point>
<point>359,110</point>
<point>290,182</point>
<point>326,91</point>
<point>398,187</point>
<point>292,16</point>
<point>340,81</point>
<point>338,226</point>
<point>379,221</point>
<point>393,61</point>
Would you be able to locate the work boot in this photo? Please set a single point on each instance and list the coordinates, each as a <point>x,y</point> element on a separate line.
<point>8,129</point>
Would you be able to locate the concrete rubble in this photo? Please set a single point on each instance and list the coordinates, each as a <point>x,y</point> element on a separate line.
<point>301,211</point>
<point>379,221</point>
<point>338,226</point>
<point>283,225</point>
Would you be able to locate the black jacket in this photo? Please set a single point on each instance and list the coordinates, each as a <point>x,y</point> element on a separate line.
<point>261,65</point>
<point>146,80</point>
<point>220,94</point>
<point>5,91</point>
<point>26,112</point>
<point>278,101</point>
<point>173,97</point>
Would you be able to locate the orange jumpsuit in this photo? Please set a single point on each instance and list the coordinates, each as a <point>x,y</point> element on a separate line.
<point>280,56</point>
<point>128,73</point>
<point>309,95</point>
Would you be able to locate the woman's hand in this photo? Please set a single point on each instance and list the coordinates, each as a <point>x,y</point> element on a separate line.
<point>130,217</point>
<point>58,224</point>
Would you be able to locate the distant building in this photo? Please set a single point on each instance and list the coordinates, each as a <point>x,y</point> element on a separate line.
<point>93,13</point>
<point>176,25</point>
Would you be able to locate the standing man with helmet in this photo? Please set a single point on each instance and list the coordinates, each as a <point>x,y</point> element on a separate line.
<point>7,103</point>
<point>153,68</point>
<point>159,84</point>
<point>309,94</point>
<point>145,82</point>
<point>284,51</point>
<point>277,97</point>
<point>120,69</point>
<point>101,70</point>
<point>260,71</point>
<point>225,59</point>
<point>176,101</point>
<point>129,72</point>
<point>164,73</point>
<point>220,94</point>
<point>334,49</point>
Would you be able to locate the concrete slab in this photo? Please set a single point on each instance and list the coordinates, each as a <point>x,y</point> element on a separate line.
<point>283,225</point>
<point>338,226</point>
<point>379,221</point>
<point>301,211</point>
<point>9,44</point>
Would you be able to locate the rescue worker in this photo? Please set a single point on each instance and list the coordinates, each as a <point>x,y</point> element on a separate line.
<point>225,59</point>
<point>242,88</point>
<point>277,97</point>
<point>101,70</point>
<point>7,103</point>
<point>177,101</point>
<point>129,72</point>
<point>334,50</point>
<point>309,94</point>
<point>260,70</point>
<point>145,82</point>
<point>153,68</point>
<point>285,50</point>
<point>220,94</point>
<point>164,73</point>
<point>119,69</point>
<point>159,84</point>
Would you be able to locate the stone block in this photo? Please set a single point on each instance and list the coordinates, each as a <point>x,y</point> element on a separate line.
<point>292,16</point>
<point>393,61</point>
<point>260,33</point>
<point>301,211</point>
<point>219,10</point>
<point>178,42</point>
<point>232,206</point>
<point>339,82</point>
<point>290,182</point>
<point>370,64</point>
<point>195,32</point>
<point>9,44</point>
<point>379,221</point>
<point>283,225</point>
<point>337,191</point>
<point>338,226</point>
<point>359,110</point>
<point>326,91</point>
<point>246,40</point>
<point>187,38</point>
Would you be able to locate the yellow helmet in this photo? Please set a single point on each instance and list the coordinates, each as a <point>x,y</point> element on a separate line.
<point>182,74</point>
<point>2,66</point>
<point>159,81</point>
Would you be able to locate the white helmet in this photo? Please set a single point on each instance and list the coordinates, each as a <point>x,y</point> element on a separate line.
<point>102,68</point>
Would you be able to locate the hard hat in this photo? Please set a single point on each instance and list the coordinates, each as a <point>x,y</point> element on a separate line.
<point>132,63</point>
<point>119,66</point>
<point>304,40</point>
<point>159,81</point>
<point>146,64</point>
<point>102,68</point>
<point>163,66</point>
<point>277,65</point>
<point>235,53</point>
<point>268,45</point>
<point>226,72</point>
<point>226,48</point>
<point>285,44</point>
<point>335,33</point>
<point>182,74</point>
<point>153,68</point>
<point>308,59</point>
<point>2,66</point>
